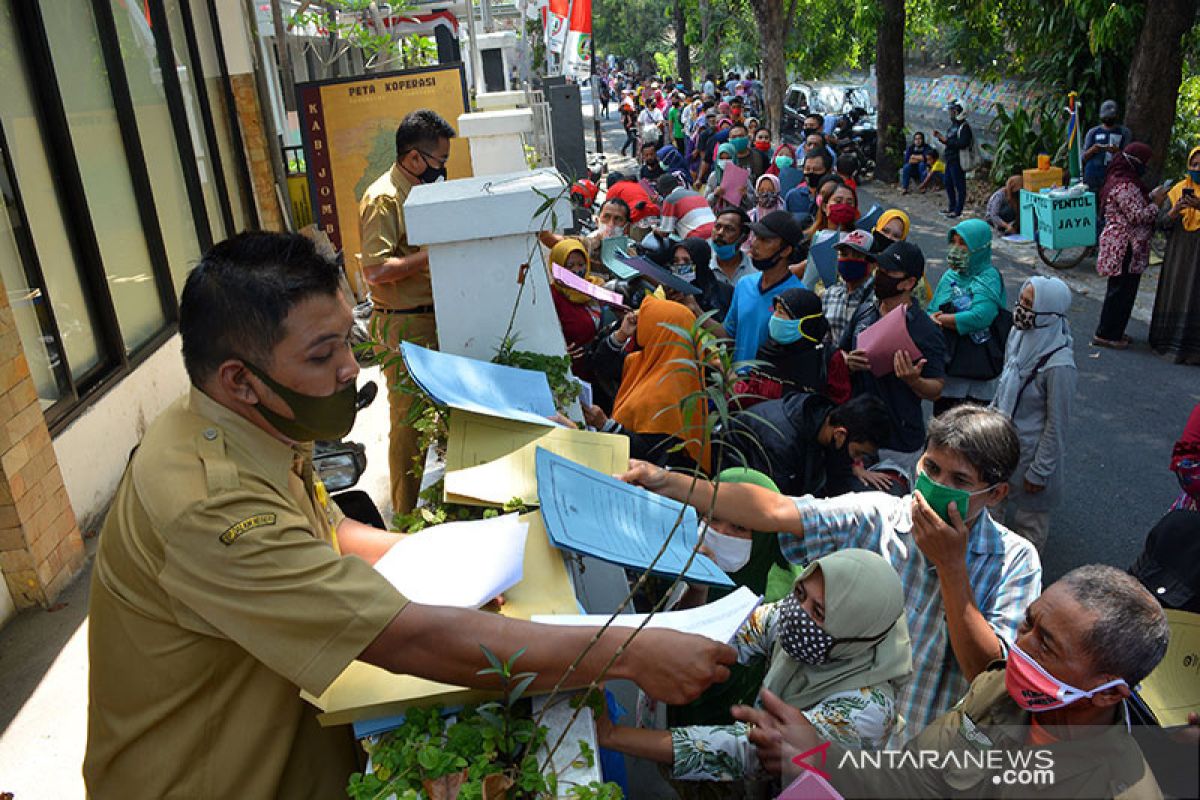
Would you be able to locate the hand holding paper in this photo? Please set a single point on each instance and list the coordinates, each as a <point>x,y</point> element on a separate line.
<point>719,621</point>
<point>885,338</point>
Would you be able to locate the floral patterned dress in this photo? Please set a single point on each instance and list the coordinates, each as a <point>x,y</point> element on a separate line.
<point>1128,225</point>
<point>861,718</point>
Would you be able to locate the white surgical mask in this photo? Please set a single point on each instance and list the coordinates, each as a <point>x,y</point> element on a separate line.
<point>730,553</point>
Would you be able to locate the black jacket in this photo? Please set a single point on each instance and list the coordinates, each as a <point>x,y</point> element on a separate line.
<point>779,438</point>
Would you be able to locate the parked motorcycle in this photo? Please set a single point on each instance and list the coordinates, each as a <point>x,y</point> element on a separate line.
<point>341,464</point>
<point>857,136</point>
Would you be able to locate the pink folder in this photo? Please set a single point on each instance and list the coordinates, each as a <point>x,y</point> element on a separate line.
<point>809,786</point>
<point>573,281</point>
<point>733,181</point>
<point>884,339</point>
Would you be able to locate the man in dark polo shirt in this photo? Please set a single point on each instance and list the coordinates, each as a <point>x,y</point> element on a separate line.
<point>898,269</point>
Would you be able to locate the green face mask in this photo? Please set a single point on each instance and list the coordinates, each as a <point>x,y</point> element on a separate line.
<point>957,258</point>
<point>940,497</point>
<point>316,418</point>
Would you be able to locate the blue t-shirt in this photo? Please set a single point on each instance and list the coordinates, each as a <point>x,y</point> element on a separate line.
<point>1096,166</point>
<point>750,312</point>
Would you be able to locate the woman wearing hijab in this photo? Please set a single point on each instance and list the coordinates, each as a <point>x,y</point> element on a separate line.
<point>1130,213</point>
<point>967,299</point>
<point>837,648</point>
<point>673,161</point>
<point>755,561</point>
<point>1003,207</point>
<point>1185,463</point>
<point>797,355</point>
<point>578,313</point>
<point>691,261</point>
<point>766,197</point>
<point>1175,327</point>
<point>1035,391</point>
<point>783,157</point>
<point>657,405</point>
<point>726,154</point>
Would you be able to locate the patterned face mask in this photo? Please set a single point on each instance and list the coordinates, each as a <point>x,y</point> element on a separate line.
<point>799,636</point>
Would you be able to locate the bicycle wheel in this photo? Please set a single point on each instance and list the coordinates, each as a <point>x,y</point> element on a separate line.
<point>1067,258</point>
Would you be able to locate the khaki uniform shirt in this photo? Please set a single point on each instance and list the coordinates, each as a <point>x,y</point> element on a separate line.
<point>384,235</point>
<point>217,595</point>
<point>1109,764</point>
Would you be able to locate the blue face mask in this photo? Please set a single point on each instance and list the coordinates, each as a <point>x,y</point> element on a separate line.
<point>740,143</point>
<point>1194,175</point>
<point>724,252</point>
<point>784,331</point>
<point>783,162</point>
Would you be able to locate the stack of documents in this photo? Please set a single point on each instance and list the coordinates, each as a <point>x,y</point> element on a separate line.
<point>490,461</point>
<point>589,512</point>
<point>460,564</point>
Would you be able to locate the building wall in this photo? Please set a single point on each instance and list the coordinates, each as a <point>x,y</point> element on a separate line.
<point>93,450</point>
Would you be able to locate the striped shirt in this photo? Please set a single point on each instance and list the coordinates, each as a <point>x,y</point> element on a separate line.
<point>1004,571</point>
<point>686,213</point>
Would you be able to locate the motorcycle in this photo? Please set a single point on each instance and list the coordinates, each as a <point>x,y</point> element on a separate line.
<point>857,136</point>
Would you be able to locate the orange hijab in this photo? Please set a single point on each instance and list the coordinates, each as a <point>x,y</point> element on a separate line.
<point>655,389</point>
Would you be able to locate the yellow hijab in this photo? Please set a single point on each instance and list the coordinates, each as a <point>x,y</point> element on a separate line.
<point>559,254</point>
<point>888,216</point>
<point>1191,217</point>
<point>658,394</point>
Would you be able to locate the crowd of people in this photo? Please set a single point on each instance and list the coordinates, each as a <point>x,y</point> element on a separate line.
<point>898,553</point>
<point>945,462</point>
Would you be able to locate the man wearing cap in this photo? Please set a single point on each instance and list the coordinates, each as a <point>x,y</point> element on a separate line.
<point>1102,142</point>
<point>855,265</point>
<point>908,383</point>
<point>778,243</point>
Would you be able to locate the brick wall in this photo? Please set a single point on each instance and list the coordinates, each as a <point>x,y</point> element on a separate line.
<point>258,156</point>
<point>40,545</point>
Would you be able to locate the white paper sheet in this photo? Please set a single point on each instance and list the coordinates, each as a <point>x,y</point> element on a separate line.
<point>719,621</point>
<point>460,564</point>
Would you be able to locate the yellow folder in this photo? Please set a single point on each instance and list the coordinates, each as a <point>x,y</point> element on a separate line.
<point>490,461</point>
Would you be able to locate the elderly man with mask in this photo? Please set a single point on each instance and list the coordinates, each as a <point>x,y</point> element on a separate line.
<point>1056,703</point>
<point>967,579</point>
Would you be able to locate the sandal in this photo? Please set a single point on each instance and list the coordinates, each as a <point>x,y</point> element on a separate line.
<point>1115,345</point>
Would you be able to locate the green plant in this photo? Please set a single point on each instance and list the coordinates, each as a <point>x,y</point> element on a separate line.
<point>1021,135</point>
<point>484,751</point>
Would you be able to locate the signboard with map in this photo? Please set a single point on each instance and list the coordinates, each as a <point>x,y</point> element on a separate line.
<point>349,131</point>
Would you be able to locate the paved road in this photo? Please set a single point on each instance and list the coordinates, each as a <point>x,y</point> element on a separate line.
<point>1129,409</point>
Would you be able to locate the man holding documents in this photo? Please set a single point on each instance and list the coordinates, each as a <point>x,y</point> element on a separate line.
<point>901,381</point>
<point>225,581</point>
<point>967,580</point>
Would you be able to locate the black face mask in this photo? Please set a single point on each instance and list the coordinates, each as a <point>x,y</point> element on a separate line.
<point>431,174</point>
<point>886,286</point>
<point>813,178</point>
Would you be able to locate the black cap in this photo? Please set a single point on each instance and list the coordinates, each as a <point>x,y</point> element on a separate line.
<point>779,225</point>
<point>903,257</point>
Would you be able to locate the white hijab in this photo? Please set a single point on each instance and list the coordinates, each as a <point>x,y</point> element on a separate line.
<point>1026,348</point>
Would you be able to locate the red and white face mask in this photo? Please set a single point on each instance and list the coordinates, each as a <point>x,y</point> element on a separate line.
<point>1034,689</point>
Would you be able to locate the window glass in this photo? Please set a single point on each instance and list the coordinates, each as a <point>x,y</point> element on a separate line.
<point>229,149</point>
<point>100,152</point>
<point>39,193</point>
<point>188,75</point>
<point>159,145</point>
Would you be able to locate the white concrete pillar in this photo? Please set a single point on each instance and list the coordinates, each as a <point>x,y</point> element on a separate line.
<point>479,232</point>
<point>497,139</point>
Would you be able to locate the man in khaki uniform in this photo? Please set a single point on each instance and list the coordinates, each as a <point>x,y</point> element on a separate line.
<point>398,275</point>
<point>225,582</point>
<point>1055,705</point>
